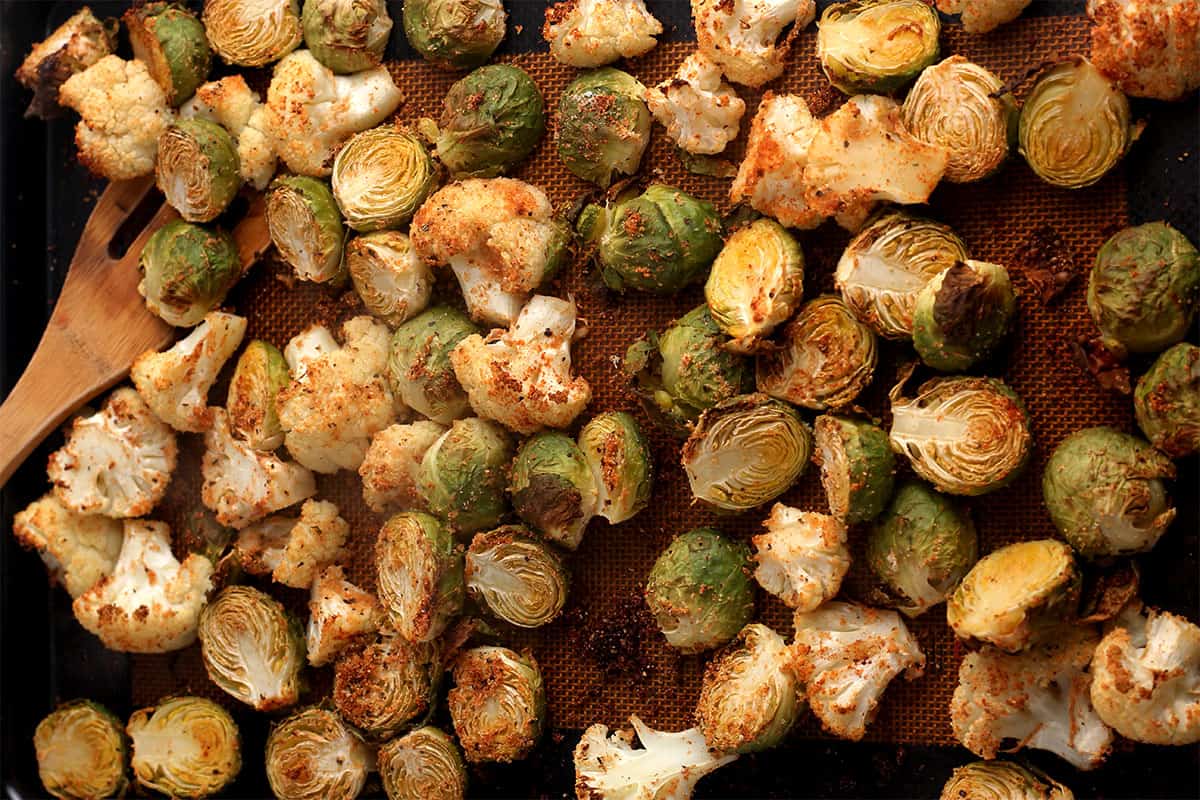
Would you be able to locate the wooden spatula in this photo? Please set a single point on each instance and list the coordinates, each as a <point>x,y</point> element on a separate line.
<point>100,323</point>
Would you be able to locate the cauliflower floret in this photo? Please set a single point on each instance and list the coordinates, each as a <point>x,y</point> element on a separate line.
<point>802,170</point>
<point>666,767</point>
<point>522,377</point>
<point>241,484</point>
<point>802,557</point>
<point>1038,698</point>
<point>292,550</point>
<point>592,33</point>
<point>175,383</point>
<point>339,399</point>
<point>116,462</point>
<point>123,111</point>
<point>1146,678</point>
<point>981,16</point>
<point>150,603</point>
<point>339,613</point>
<point>846,654</point>
<point>742,36</point>
<point>389,470</point>
<point>500,238</point>
<point>229,102</point>
<point>311,112</point>
<point>73,47</point>
<point>307,346</point>
<point>699,110</point>
<point>1151,48</point>
<point>78,549</point>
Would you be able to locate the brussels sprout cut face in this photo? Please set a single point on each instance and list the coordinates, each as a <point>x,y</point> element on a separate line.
<point>306,227</point>
<point>603,126</point>
<point>313,755</point>
<point>197,169</point>
<point>553,488</point>
<point>186,271</point>
<point>493,119</point>
<point>857,467</point>
<point>185,747</point>
<point>260,375</point>
<point>962,314</point>
<point>381,177</point>
<point>346,35</point>
<point>419,365</point>
<point>389,277</point>
<point>498,704</point>
<point>875,46</point>
<point>1002,779</point>
<point>619,459</point>
<point>1167,401</point>
<point>171,42</point>
<point>463,475</point>
<point>419,575</point>
<point>517,577</point>
<point>422,764</point>
<point>81,752</point>
<point>454,34</point>
<point>252,33</point>
<point>386,685</point>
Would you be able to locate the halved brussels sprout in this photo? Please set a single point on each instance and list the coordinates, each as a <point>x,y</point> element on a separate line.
<point>826,358</point>
<point>346,35</point>
<point>1166,401</point>
<point>755,282</point>
<point>921,547</point>
<point>419,366</point>
<point>252,648</point>
<point>1014,596</point>
<point>492,119</point>
<point>252,33</point>
<point>966,436</point>
<point>389,277</point>
<point>700,590</point>
<point>261,374</point>
<point>857,467</point>
<point>381,177</point>
<point>422,765</point>
<point>876,46</point>
<point>171,42</point>
<point>749,698</point>
<point>386,685</point>
<point>888,263</point>
<point>1104,490</point>
<point>419,575</point>
<point>619,458</point>
<point>962,314</point>
<point>187,270</point>
<point>603,125</point>
<point>1075,125</point>
<point>463,476</point>
<point>746,451</point>
<point>1002,780</point>
<point>553,488</point>
<point>497,705</point>
<point>314,755</point>
<point>963,107</point>
<point>306,227</point>
<point>197,169</point>
<point>81,751</point>
<point>684,370</point>
<point>454,34</point>
<point>518,578</point>
<point>185,747</point>
<point>1144,288</point>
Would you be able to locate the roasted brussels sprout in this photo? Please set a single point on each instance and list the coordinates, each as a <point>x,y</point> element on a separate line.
<point>826,357</point>
<point>463,475</point>
<point>659,241</point>
<point>252,33</point>
<point>454,34</point>
<point>423,764</point>
<point>1075,125</point>
<point>553,487</point>
<point>391,280</point>
<point>921,547</point>
<point>1144,288</point>
<point>518,578</point>
<point>755,282</point>
<point>313,755</point>
<point>888,263</point>
<point>81,752</point>
<point>386,685</point>
<point>185,747</point>
<point>962,314</point>
<point>603,125</point>
<point>381,177</point>
<point>1002,780</point>
<point>261,374</point>
<point>187,270</point>
<point>306,227</point>
<point>749,698</point>
<point>419,366</point>
<point>619,457</point>
<point>966,436</point>
<point>346,35</point>
<point>171,42</point>
<point>1013,597</point>
<point>857,467</point>
<point>746,451</point>
<point>876,45</point>
<point>197,169</point>
<point>252,648</point>
<point>491,120</point>
<point>497,705</point>
<point>1104,490</point>
<point>700,591</point>
<point>684,370</point>
<point>1166,401</point>
<point>419,575</point>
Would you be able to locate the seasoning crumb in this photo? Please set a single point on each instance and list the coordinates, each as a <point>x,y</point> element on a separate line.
<point>1047,263</point>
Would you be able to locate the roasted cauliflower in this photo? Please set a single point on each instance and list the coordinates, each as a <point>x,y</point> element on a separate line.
<point>339,614</point>
<point>592,33</point>
<point>743,36</point>
<point>73,47</point>
<point>231,103</point>
<point>389,469</point>
<point>1151,48</point>
<point>700,111</point>
<point>981,16</point>
<point>78,549</point>
<point>293,550</point>
<point>802,557</point>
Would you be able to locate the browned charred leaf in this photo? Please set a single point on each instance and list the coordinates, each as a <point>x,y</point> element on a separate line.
<point>1047,263</point>
<point>959,301</point>
<point>1108,370</point>
<point>823,99</point>
<point>710,166</point>
<point>1106,590</point>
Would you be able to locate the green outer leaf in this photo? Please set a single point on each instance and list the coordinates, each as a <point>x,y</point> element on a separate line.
<point>1166,401</point>
<point>172,43</point>
<point>492,119</point>
<point>603,125</point>
<point>463,475</point>
<point>419,365</point>
<point>865,467</point>
<point>446,33</point>
<point>187,270</point>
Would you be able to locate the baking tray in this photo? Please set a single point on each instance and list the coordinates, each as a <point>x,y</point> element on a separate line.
<point>47,657</point>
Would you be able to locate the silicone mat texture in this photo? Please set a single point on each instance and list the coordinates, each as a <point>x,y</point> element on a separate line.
<point>600,661</point>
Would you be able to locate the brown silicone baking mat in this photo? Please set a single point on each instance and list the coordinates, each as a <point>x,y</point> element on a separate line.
<point>599,661</point>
